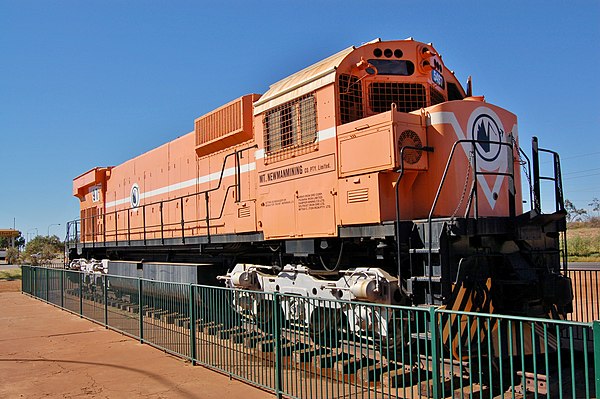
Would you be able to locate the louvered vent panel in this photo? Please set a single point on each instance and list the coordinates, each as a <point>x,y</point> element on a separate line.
<point>360,195</point>
<point>243,212</point>
<point>226,126</point>
<point>221,122</point>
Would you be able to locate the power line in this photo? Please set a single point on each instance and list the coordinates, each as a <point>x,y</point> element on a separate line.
<point>579,177</point>
<point>580,171</point>
<point>584,190</point>
<point>582,155</point>
<point>571,157</point>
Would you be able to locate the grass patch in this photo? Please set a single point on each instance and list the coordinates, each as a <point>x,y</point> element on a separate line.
<point>584,258</point>
<point>583,240</point>
<point>13,274</point>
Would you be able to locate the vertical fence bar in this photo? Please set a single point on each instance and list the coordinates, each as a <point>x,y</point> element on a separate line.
<point>596,328</point>
<point>80,294</point>
<point>434,352</point>
<point>62,288</point>
<point>192,326</point>
<point>277,337</point>
<point>47,287</point>
<point>141,312</point>
<point>105,281</point>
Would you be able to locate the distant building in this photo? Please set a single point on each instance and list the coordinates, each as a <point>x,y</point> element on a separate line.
<point>11,234</point>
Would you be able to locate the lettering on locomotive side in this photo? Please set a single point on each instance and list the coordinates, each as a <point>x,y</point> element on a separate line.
<point>307,168</point>
<point>312,201</point>
<point>280,174</point>
<point>277,202</point>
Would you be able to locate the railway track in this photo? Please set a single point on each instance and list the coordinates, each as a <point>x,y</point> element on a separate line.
<point>346,368</point>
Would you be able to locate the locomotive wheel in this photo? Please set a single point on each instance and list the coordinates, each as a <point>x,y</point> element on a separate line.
<point>265,315</point>
<point>325,326</point>
<point>398,342</point>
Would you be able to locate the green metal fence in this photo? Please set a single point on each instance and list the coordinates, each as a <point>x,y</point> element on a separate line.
<point>301,347</point>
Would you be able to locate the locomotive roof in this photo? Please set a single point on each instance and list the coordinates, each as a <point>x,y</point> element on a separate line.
<point>305,81</point>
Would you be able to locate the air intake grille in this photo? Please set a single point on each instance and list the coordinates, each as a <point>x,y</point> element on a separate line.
<point>351,105</point>
<point>221,122</point>
<point>411,139</point>
<point>243,212</point>
<point>435,96</point>
<point>407,96</point>
<point>360,195</point>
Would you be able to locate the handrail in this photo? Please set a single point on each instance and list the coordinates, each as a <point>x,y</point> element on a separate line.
<point>400,175</point>
<point>439,190</point>
<point>161,203</point>
<point>559,202</point>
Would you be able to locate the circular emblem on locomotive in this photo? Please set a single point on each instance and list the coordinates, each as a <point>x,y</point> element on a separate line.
<point>486,127</point>
<point>486,130</point>
<point>134,196</point>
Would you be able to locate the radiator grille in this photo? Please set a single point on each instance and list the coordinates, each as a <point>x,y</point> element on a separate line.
<point>359,195</point>
<point>219,123</point>
<point>407,96</point>
<point>351,105</point>
<point>435,96</point>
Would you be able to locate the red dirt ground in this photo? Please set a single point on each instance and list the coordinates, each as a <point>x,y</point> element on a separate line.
<point>46,352</point>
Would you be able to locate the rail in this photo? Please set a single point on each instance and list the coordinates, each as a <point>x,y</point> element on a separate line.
<point>83,230</point>
<point>302,347</point>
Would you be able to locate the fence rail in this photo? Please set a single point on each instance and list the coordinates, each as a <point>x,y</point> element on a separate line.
<point>302,347</point>
<point>586,294</point>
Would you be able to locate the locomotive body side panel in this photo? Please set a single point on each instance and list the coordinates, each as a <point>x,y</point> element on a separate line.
<point>296,179</point>
<point>490,125</point>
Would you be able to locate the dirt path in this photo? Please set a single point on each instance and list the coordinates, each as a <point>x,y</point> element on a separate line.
<point>46,352</point>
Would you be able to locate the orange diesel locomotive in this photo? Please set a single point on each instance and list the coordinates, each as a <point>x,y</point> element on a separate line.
<point>371,175</point>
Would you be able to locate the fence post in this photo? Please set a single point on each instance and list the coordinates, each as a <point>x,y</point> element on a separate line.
<point>80,294</point>
<point>192,311</point>
<point>141,310</point>
<point>435,370</point>
<point>277,338</point>
<point>105,285</point>
<point>47,286</point>
<point>62,287</point>
<point>596,332</point>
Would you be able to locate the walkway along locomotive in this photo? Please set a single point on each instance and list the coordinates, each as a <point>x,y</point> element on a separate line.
<point>372,176</point>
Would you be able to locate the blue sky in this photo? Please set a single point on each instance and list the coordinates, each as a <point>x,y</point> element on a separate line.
<point>94,83</point>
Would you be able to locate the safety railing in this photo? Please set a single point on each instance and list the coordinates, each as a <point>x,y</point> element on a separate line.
<point>586,294</point>
<point>301,347</point>
<point>119,226</point>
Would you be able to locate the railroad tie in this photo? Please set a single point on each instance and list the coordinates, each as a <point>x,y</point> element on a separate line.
<point>399,376</point>
<point>347,368</point>
<point>370,373</point>
<point>226,334</point>
<point>474,390</point>
<point>307,354</point>
<point>238,337</point>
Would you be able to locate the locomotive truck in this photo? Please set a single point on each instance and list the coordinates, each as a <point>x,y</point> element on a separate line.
<point>370,176</point>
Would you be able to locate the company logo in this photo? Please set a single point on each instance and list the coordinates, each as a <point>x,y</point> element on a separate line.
<point>134,196</point>
<point>484,126</point>
<point>485,129</point>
